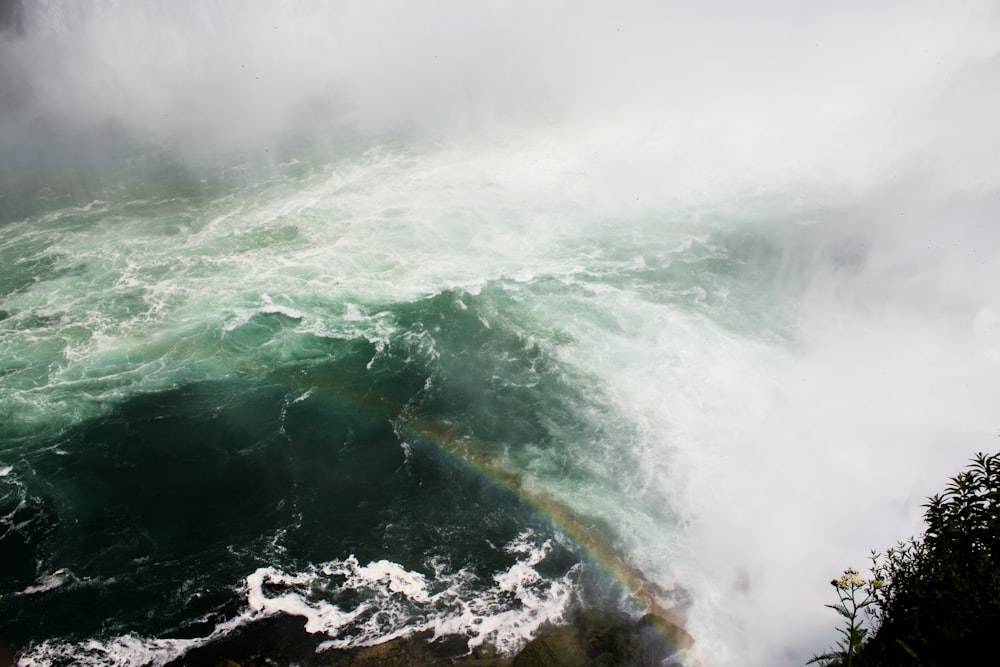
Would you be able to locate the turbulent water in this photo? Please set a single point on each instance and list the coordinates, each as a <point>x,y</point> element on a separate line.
<point>454,318</point>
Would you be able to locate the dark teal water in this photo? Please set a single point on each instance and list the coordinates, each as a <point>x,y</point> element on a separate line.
<point>292,411</point>
<point>146,518</point>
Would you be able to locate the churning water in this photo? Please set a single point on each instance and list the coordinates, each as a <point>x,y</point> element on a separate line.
<point>450,316</point>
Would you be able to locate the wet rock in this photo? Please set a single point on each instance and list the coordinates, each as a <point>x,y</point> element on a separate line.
<point>484,655</point>
<point>661,639</point>
<point>484,652</point>
<point>403,652</point>
<point>558,648</point>
<point>592,638</point>
<point>604,639</point>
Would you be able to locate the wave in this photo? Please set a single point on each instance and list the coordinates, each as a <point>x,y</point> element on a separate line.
<point>355,605</point>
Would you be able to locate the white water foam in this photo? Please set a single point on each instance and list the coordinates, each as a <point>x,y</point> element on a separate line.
<point>122,651</point>
<point>396,602</point>
<point>50,581</point>
<point>401,602</point>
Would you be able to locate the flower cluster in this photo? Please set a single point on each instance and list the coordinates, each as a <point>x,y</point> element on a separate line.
<point>856,594</point>
<point>849,579</point>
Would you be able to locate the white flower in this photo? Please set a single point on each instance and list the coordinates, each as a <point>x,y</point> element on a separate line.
<point>850,579</point>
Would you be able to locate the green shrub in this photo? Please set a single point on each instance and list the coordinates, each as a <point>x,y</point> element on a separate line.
<point>936,599</point>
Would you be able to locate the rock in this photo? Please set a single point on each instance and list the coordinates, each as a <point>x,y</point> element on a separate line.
<point>660,638</point>
<point>402,652</point>
<point>592,638</point>
<point>558,648</point>
<point>611,639</point>
<point>605,639</point>
<point>484,652</point>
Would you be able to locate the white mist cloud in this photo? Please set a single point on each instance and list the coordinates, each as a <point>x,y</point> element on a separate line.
<point>764,84</point>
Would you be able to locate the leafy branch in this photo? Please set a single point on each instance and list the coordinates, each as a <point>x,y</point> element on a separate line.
<point>856,595</point>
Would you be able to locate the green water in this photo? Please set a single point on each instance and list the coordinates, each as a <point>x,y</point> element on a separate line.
<point>198,387</point>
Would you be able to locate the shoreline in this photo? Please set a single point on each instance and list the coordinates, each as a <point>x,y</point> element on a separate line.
<point>589,637</point>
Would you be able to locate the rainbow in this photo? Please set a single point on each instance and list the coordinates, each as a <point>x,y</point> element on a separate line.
<point>649,595</point>
<point>463,450</point>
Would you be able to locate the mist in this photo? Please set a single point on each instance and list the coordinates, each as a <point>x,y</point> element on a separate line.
<point>858,138</point>
<point>850,92</point>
